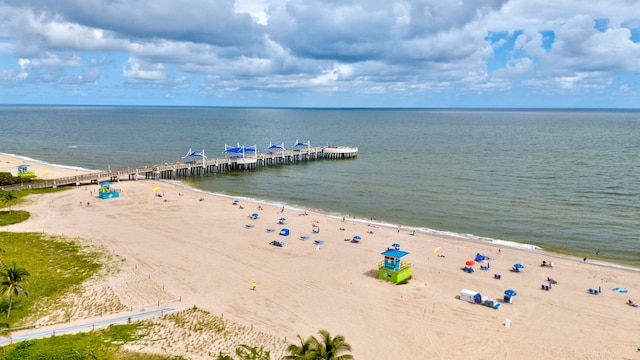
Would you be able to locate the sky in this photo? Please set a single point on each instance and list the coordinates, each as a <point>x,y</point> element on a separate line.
<point>330,53</point>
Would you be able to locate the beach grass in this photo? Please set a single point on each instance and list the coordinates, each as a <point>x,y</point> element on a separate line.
<point>13,217</point>
<point>56,265</point>
<point>104,344</point>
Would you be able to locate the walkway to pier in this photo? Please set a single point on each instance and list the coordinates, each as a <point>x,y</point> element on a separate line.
<point>201,167</point>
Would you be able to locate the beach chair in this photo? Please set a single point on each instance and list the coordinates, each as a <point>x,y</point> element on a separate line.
<point>515,269</point>
<point>497,276</point>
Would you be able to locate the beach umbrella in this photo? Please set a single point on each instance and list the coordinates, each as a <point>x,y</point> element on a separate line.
<point>357,237</point>
<point>255,215</point>
<point>470,263</point>
<point>510,293</point>
<point>435,251</point>
<point>283,219</point>
<point>518,266</point>
<point>395,245</point>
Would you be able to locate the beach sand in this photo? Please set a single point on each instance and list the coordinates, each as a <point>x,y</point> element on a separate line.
<point>202,253</point>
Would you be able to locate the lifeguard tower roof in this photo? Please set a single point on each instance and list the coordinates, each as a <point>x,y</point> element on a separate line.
<point>395,253</point>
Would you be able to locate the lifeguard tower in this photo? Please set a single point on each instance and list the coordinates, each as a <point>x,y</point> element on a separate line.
<point>106,192</point>
<point>23,171</point>
<point>393,268</point>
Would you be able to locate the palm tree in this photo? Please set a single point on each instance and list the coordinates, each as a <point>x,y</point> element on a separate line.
<point>11,283</point>
<point>328,348</point>
<point>300,352</point>
<point>9,199</point>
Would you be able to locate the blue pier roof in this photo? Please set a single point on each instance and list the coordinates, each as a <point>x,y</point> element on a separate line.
<point>395,253</point>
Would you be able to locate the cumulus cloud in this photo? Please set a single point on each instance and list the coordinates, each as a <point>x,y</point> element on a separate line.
<point>359,46</point>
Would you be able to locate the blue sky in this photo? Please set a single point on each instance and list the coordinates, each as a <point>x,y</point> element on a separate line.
<point>332,53</point>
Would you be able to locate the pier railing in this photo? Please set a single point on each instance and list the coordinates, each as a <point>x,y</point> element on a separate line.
<point>191,168</point>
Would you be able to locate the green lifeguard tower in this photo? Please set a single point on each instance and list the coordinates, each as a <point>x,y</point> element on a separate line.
<point>106,192</point>
<point>23,171</point>
<point>393,268</point>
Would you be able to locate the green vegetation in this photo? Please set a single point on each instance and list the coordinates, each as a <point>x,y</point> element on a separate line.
<point>55,266</point>
<point>11,283</point>
<point>103,344</point>
<point>324,348</point>
<point>246,352</point>
<point>6,178</point>
<point>13,217</point>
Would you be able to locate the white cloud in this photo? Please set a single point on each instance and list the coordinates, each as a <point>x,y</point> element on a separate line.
<point>360,46</point>
<point>140,72</point>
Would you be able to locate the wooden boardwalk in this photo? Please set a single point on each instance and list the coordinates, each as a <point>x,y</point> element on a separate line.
<point>193,168</point>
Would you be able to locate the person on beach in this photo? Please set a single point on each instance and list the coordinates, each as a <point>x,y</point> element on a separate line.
<point>254,286</point>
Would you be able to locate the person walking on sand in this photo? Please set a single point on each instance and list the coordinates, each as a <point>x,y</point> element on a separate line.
<point>254,286</point>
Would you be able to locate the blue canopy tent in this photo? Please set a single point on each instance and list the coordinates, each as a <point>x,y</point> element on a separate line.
<point>301,144</point>
<point>239,150</point>
<point>479,257</point>
<point>284,232</point>
<point>191,154</point>
<point>273,148</point>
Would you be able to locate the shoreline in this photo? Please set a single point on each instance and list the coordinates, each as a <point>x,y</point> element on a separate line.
<point>67,170</point>
<point>197,246</point>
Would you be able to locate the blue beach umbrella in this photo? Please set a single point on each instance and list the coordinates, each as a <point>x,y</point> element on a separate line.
<point>510,293</point>
<point>395,245</point>
<point>255,215</point>
<point>518,266</point>
<point>283,219</point>
<point>357,237</point>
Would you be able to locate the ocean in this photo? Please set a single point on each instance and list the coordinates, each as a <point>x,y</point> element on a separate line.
<point>566,181</point>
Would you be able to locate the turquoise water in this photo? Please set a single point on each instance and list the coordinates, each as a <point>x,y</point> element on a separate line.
<point>563,180</point>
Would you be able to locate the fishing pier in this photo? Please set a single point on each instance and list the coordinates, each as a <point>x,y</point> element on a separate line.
<point>181,169</point>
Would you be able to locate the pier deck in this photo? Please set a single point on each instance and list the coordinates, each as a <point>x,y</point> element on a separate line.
<point>192,168</point>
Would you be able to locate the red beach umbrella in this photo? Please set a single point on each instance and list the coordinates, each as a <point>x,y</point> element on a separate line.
<point>470,262</point>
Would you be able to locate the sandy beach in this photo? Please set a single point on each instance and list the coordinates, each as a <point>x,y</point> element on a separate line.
<point>205,250</point>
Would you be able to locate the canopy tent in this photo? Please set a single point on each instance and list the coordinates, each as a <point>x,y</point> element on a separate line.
<point>479,257</point>
<point>239,150</point>
<point>191,153</point>
<point>301,144</point>
<point>273,147</point>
